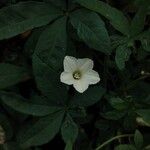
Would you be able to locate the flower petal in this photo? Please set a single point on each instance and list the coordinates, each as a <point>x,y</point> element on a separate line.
<point>70,64</point>
<point>92,77</point>
<point>66,78</point>
<point>80,86</point>
<point>85,64</point>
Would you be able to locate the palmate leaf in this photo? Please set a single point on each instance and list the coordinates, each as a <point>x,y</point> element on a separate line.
<point>91,29</point>
<point>116,17</point>
<point>11,75</point>
<point>42,131</point>
<point>25,106</point>
<point>48,59</point>
<point>18,18</point>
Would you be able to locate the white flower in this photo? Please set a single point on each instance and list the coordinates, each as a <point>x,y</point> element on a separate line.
<point>79,73</point>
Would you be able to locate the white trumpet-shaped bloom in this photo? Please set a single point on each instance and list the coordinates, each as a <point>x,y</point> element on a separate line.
<point>79,73</point>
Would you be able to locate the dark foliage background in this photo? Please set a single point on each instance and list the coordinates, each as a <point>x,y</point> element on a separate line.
<point>37,111</point>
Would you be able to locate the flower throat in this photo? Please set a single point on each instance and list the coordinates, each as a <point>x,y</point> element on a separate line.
<point>77,75</point>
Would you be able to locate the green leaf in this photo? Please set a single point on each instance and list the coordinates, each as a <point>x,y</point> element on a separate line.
<point>32,41</point>
<point>25,106</point>
<point>125,147</point>
<point>91,29</point>
<point>138,139</point>
<point>122,55</point>
<point>89,97</point>
<point>145,114</point>
<point>48,60</point>
<point>42,131</point>
<point>18,18</point>
<point>138,22</point>
<point>116,17</point>
<point>11,75</point>
<point>117,40</point>
<point>69,130</point>
<point>52,43</point>
<point>113,115</point>
<point>118,103</point>
<point>48,82</point>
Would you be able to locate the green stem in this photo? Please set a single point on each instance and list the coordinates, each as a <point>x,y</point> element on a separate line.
<point>112,139</point>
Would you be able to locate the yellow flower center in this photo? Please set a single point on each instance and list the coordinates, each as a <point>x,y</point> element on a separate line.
<point>77,75</point>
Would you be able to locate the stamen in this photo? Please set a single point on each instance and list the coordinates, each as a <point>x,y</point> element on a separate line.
<point>77,75</point>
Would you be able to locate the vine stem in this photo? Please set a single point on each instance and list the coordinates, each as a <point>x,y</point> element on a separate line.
<point>112,139</point>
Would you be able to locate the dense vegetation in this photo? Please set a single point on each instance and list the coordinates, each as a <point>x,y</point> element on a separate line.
<point>38,111</point>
